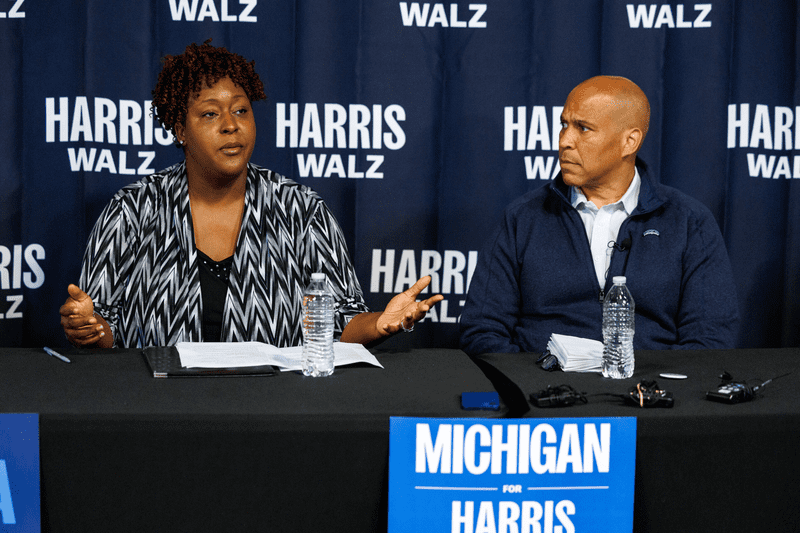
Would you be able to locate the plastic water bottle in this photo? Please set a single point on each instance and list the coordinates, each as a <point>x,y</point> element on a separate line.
<point>618,329</point>
<point>317,328</point>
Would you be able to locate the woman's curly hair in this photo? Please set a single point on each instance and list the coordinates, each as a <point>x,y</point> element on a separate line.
<point>182,77</point>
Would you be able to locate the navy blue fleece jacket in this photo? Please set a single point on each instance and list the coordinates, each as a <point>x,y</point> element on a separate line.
<point>535,276</point>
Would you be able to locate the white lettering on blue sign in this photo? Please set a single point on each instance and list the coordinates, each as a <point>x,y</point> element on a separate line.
<point>101,120</point>
<point>509,516</point>
<point>416,14</point>
<point>521,449</point>
<point>766,128</point>
<point>12,272</point>
<point>19,472</point>
<point>645,16</point>
<point>762,166</point>
<point>450,272</point>
<point>81,160</point>
<point>525,130</point>
<point>14,12</point>
<point>352,127</point>
<point>314,165</point>
<point>511,476</point>
<point>184,10</point>
<point>766,133</point>
<point>541,167</point>
<point>538,134</point>
<point>6,505</point>
<point>16,275</point>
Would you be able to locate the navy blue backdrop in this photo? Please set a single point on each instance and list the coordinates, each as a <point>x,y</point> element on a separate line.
<point>416,121</point>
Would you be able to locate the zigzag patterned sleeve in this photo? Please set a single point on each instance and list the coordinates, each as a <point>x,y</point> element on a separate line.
<point>107,262</point>
<point>328,253</point>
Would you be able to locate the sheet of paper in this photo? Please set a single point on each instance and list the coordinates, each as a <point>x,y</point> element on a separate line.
<point>344,353</point>
<point>241,354</point>
<point>229,354</point>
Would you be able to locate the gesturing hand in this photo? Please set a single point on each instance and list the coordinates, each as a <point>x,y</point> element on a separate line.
<point>403,311</point>
<point>78,320</point>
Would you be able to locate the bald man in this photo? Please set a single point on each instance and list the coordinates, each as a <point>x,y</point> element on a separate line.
<point>546,269</point>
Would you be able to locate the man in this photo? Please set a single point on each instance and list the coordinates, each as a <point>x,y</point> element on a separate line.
<point>548,266</point>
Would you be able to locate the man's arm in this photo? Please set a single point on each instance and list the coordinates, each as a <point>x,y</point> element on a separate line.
<point>492,307</point>
<point>709,312</point>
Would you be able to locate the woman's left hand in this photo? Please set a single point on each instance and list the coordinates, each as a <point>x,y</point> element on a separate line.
<point>403,311</point>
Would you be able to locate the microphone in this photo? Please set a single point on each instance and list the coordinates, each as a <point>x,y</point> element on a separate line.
<point>624,245</point>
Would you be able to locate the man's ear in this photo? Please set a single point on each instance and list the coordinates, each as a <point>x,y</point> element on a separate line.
<point>631,142</point>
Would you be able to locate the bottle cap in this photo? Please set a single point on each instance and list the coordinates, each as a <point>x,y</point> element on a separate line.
<point>318,276</point>
<point>619,280</point>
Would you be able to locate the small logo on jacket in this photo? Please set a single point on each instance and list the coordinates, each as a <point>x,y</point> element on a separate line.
<point>651,232</point>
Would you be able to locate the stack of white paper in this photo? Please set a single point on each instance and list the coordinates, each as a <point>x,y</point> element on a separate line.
<point>241,354</point>
<point>575,354</point>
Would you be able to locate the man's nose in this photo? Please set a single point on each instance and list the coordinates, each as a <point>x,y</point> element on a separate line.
<point>566,138</point>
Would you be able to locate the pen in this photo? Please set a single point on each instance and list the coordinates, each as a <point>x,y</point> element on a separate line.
<point>56,354</point>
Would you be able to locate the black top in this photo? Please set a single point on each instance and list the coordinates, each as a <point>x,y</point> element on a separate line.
<point>213,287</point>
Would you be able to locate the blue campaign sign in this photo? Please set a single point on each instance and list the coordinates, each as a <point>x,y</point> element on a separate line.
<point>19,473</point>
<point>557,475</point>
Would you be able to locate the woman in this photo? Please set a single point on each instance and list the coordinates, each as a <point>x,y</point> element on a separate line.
<point>216,248</point>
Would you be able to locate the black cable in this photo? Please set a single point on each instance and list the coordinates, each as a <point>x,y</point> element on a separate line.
<point>558,396</point>
<point>732,391</point>
<point>648,394</point>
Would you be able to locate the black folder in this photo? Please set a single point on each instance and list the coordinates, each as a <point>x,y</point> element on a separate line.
<point>165,362</point>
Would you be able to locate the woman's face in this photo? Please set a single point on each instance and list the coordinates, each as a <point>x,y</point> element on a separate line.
<point>220,132</point>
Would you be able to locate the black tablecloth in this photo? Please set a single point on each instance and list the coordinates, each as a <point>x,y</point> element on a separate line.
<point>122,451</point>
<point>701,465</point>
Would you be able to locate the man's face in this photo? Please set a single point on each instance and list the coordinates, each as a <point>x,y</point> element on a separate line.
<point>591,140</point>
<point>220,131</point>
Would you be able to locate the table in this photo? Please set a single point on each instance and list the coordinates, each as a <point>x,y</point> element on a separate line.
<point>701,465</point>
<point>122,451</point>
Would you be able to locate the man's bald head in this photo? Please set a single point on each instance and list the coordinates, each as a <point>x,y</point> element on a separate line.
<point>629,105</point>
<point>603,124</point>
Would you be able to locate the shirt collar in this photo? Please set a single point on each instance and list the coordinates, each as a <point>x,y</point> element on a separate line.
<point>628,202</point>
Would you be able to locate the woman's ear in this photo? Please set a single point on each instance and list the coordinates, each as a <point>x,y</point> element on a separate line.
<point>179,131</point>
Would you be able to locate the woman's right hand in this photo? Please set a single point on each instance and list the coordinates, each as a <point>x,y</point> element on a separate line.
<point>81,325</point>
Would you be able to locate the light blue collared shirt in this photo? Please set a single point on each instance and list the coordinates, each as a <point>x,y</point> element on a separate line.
<point>602,225</point>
